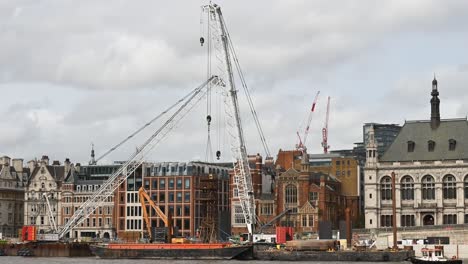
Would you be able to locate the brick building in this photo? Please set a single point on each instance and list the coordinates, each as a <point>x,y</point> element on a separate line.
<point>175,188</point>
<point>327,182</point>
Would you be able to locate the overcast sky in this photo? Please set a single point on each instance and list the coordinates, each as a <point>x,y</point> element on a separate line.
<point>74,73</point>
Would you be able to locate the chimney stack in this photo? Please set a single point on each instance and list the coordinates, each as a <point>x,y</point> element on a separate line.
<point>45,159</point>
<point>18,165</point>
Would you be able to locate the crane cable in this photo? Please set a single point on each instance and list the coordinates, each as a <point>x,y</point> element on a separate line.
<point>147,124</point>
<point>209,148</point>
<point>247,92</point>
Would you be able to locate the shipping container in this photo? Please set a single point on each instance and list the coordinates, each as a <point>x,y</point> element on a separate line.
<point>282,234</point>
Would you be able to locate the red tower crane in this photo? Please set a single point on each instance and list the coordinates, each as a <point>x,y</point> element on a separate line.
<point>302,143</point>
<point>325,129</point>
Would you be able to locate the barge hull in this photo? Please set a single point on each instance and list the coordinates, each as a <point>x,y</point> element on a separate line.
<point>170,253</point>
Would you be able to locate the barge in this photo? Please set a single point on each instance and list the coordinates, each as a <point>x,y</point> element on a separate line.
<point>171,251</point>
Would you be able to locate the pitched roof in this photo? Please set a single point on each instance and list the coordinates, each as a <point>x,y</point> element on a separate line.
<point>420,133</point>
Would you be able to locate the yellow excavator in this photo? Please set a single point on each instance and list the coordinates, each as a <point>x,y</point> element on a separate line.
<point>144,197</point>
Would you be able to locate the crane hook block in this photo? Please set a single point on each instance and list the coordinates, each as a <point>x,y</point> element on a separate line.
<point>218,154</point>
<point>208,119</point>
<point>202,40</point>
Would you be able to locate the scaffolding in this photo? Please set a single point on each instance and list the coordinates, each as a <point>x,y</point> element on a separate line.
<point>208,201</point>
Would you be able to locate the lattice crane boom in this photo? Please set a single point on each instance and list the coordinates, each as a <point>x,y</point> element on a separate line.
<point>242,174</point>
<point>325,129</point>
<point>302,141</point>
<point>134,161</point>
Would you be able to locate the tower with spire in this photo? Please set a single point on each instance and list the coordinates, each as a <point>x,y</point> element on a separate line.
<point>93,160</point>
<point>371,149</point>
<point>435,102</point>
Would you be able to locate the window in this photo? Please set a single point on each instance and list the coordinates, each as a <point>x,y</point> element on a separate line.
<point>179,197</point>
<point>186,197</point>
<point>147,184</point>
<point>238,215</point>
<point>171,197</point>
<point>307,220</point>
<point>291,196</point>
<point>428,188</point>
<point>179,184</point>
<point>386,220</point>
<point>155,184</point>
<point>407,220</point>
<point>449,187</point>
<point>162,197</point>
<point>186,210</point>
<point>407,188</point>
<point>452,144</point>
<point>466,219</point>
<point>178,211</point>
<point>450,219</point>
<point>313,196</point>
<point>370,195</point>
<point>411,146</point>
<point>266,209</point>
<point>162,184</point>
<point>386,188</point>
<point>171,183</point>
<point>187,183</point>
<point>430,146</point>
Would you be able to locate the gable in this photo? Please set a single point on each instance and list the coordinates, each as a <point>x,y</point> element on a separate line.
<point>290,173</point>
<point>307,208</point>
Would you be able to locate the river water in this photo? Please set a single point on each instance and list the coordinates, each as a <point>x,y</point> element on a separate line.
<point>92,260</point>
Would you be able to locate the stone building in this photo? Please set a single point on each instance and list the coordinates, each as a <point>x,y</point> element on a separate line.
<point>430,161</point>
<point>78,187</point>
<point>45,180</point>
<point>13,178</point>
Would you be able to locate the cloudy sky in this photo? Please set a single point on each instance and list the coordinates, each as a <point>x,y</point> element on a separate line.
<point>74,73</point>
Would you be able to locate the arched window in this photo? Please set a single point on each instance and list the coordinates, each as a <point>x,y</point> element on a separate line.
<point>465,186</point>
<point>407,188</point>
<point>386,188</point>
<point>290,197</point>
<point>449,187</point>
<point>428,188</point>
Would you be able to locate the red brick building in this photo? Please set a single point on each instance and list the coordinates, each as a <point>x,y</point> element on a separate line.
<point>176,188</point>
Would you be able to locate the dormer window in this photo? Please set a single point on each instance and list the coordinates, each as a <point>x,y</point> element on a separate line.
<point>452,144</point>
<point>430,146</point>
<point>411,146</point>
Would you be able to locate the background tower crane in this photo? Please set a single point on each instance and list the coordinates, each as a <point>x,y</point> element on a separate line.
<point>302,141</point>
<point>325,129</point>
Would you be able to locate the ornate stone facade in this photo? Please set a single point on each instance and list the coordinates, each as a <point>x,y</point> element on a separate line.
<point>430,162</point>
